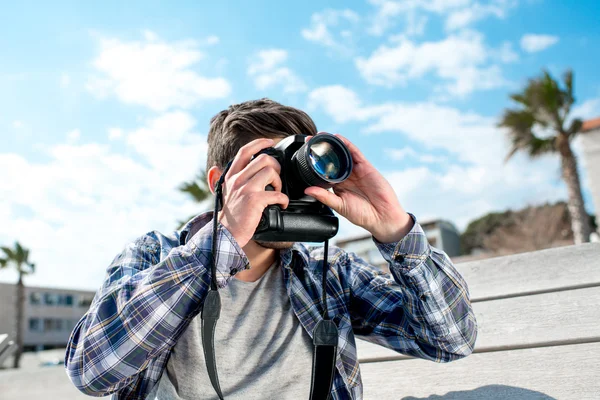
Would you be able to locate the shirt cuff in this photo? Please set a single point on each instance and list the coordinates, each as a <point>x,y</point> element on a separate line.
<point>410,251</point>
<point>231,259</point>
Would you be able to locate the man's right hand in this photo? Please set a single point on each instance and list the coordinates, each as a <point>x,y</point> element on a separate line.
<point>244,194</point>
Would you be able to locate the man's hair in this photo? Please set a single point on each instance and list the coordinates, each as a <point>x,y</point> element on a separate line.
<point>242,123</point>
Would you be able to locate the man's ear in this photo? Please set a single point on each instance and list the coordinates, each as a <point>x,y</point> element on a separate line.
<point>213,175</point>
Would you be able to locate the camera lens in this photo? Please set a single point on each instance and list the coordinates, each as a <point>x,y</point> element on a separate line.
<point>323,161</point>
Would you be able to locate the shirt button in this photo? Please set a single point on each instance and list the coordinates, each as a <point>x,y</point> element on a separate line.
<point>399,258</point>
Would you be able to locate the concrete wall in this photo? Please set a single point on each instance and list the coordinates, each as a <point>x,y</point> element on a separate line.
<point>591,162</point>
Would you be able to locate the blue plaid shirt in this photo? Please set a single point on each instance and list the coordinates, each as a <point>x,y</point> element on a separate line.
<point>156,286</point>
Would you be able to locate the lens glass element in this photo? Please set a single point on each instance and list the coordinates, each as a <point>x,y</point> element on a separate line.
<point>325,160</point>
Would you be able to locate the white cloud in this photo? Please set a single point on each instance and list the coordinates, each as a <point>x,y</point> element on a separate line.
<point>474,178</point>
<point>432,125</point>
<point>533,43</point>
<point>320,24</point>
<point>408,153</point>
<point>268,70</point>
<point>166,142</point>
<point>17,124</point>
<point>74,135</point>
<point>211,40</point>
<point>87,201</point>
<point>65,80</point>
<point>458,14</point>
<point>115,133</point>
<point>461,59</point>
<point>477,11</point>
<point>153,73</point>
<point>386,11</point>
<point>505,53</point>
<point>341,104</point>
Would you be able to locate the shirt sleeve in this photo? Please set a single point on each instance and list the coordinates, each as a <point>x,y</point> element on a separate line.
<point>423,309</point>
<point>143,307</point>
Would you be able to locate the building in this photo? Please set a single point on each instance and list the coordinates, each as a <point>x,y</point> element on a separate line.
<point>49,314</point>
<point>440,234</point>
<point>590,140</point>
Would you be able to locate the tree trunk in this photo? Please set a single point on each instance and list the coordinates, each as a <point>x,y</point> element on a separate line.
<point>580,220</point>
<point>20,305</point>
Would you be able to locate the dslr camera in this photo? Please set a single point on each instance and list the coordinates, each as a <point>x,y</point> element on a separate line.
<point>323,160</point>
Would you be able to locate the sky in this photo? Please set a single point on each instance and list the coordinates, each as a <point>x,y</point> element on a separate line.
<point>105,106</point>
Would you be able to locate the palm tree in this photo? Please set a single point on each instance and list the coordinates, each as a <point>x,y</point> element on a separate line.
<point>19,257</point>
<point>544,106</point>
<point>197,189</point>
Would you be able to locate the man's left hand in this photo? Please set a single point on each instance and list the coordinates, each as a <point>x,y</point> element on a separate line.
<point>366,199</point>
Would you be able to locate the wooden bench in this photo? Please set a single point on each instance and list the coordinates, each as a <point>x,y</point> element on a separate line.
<point>538,318</point>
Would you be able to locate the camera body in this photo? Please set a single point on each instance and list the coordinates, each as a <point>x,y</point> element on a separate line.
<point>322,161</point>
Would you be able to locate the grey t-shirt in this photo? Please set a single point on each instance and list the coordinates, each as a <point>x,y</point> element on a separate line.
<point>262,350</point>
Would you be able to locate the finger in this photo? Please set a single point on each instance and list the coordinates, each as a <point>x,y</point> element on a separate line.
<point>245,153</point>
<point>259,163</point>
<point>356,154</point>
<point>325,197</point>
<point>264,177</point>
<point>269,198</point>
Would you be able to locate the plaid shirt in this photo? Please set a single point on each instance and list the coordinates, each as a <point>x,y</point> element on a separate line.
<point>156,286</point>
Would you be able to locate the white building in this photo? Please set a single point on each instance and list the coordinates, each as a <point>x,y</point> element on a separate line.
<point>590,139</point>
<point>49,314</point>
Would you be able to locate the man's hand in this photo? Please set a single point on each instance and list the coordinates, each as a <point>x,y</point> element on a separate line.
<point>244,194</point>
<point>366,199</point>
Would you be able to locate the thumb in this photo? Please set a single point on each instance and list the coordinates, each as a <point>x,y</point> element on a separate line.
<point>326,197</point>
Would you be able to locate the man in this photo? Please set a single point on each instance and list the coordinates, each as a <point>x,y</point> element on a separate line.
<point>141,336</point>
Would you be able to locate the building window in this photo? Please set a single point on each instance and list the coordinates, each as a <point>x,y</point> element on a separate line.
<point>85,302</point>
<point>34,324</point>
<point>68,300</point>
<point>53,325</point>
<point>50,299</point>
<point>48,325</point>
<point>35,298</point>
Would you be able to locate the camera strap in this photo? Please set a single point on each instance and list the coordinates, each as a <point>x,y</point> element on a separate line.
<point>325,334</point>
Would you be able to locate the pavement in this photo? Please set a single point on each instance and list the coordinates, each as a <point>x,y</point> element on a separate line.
<point>38,378</point>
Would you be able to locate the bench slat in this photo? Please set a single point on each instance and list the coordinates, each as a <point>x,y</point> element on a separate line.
<point>545,270</point>
<point>531,321</point>
<point>561,372</point>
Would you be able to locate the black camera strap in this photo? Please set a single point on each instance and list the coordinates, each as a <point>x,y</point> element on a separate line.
<point>325,340</point>
<point>325,335</point>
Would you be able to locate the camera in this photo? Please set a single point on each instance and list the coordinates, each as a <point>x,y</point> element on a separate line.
<point>323,160</point>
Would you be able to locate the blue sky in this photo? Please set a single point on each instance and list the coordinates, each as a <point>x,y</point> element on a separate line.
<point>104,107</point>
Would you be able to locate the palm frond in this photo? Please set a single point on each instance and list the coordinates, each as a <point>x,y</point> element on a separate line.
<point>19,256</point>
<point>8,252</point>
<point>538,146</point>
<point>520,125</point>
<point>543,103</point>
<point>197,188</point>
<point>575,127</point>
<point>521,99</point>
<point>568,93</point>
